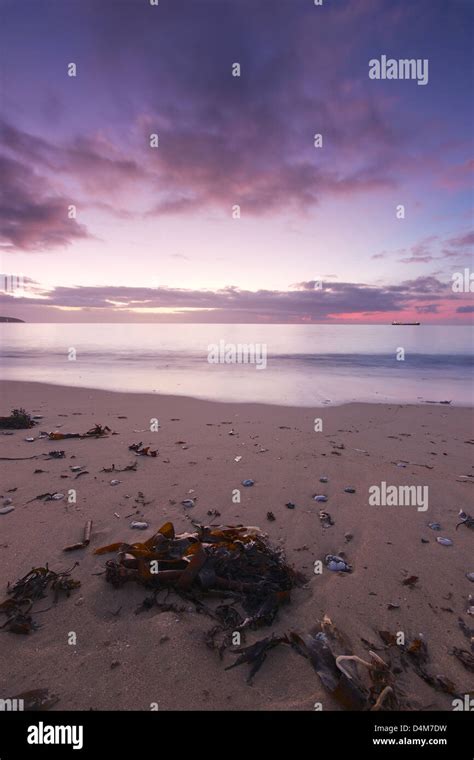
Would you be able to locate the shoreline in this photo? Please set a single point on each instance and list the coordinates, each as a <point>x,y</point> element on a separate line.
<point>124,661</point>
<point>186,398</point>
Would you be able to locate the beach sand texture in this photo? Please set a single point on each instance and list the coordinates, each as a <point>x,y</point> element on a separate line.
<point>124,661</point>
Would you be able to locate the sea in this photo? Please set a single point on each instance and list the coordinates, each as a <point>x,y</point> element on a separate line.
<point>305,365</point>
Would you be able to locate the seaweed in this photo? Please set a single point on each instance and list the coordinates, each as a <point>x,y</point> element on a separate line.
<point>213,561</point>
<point>256,654</point>
<point>37,700</point>
<point>85,540</point>
<point>29,589</point>
<point>98,431</point>
<point>144,451</point>
<point>18,420</point>
<point>465,657</point>
<point>128,468</point>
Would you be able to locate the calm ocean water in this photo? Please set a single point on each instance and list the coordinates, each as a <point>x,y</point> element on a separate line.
<point>306,364</point>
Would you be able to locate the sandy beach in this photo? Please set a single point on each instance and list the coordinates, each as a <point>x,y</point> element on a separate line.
<point>124,661</point>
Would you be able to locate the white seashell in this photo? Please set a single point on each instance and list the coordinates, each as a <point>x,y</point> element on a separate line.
<point>139,525</point>
<point>444,541</point>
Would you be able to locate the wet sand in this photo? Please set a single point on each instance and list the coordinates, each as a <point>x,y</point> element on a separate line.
<point>124,661</point>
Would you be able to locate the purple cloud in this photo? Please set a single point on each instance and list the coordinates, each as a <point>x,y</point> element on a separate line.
<point>32,216</point>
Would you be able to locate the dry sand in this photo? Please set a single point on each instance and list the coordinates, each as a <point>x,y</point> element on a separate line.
<point>161,656</point>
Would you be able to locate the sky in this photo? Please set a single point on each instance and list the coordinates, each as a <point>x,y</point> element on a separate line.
<point>236,215</point>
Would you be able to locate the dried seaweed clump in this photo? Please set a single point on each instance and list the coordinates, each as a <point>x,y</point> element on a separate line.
<point>26,591</point>
<point>18,420</point>
<point>224,561</point>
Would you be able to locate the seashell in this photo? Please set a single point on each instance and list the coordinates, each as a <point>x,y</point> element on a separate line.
<point>6,510</point>
<point>337,564</point>
<point>325,518</point>
<point>114,482</point>
<point>470,605</point>
<point>444,541</point>
<point>139,525</point>
<point>29,440</point>
<point>465,519</point>
<point>188,503</point>
<point>320,498</point>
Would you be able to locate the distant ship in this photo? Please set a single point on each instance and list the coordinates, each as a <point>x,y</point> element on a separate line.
<point>406,323</point>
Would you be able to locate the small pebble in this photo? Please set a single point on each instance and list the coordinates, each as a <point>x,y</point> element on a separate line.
<point>270,516</point>
<point>139,525</point>
<point>470,577</point>
<point>320,498</point>
<point>349,489</point>
<point>323,479</point>
<point>248,483</point>
<point>114,482</point>
<point>189,503</point>
<point>6,510</point>
<point>290,505</point>
<point>434,525</point>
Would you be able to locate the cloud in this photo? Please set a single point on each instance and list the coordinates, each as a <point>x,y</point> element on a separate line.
<point>421,252</point>
<point>431,248</point>
<point>462,241</point>
<point>232,304</point>
<point>32,216</point>
<point>431,308</point>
